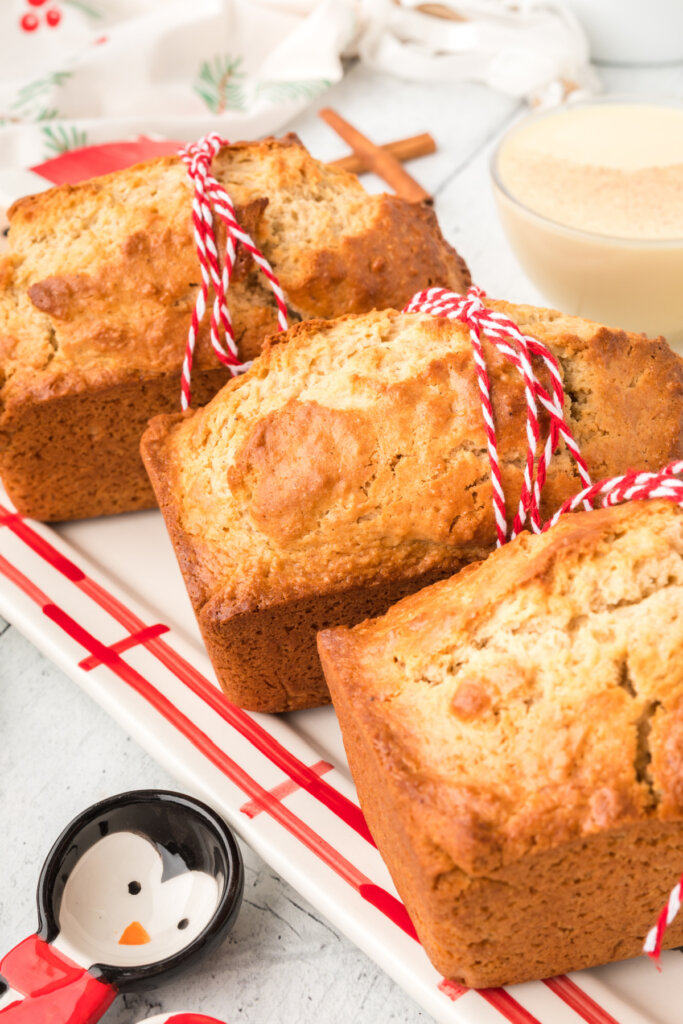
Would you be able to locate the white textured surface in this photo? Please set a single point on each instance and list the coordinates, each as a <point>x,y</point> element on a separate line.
<point>59,752</point>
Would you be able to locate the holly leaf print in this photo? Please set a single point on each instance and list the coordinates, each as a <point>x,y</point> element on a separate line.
<point>220,83</point>
<point>59,139</point>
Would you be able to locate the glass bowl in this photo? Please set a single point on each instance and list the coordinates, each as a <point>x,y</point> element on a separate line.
<point>631,283</point>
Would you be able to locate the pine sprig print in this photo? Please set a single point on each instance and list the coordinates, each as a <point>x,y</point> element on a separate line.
<point>288,92</point>
<point>59,139</point>
<point>220,83</point>
<point>30,102</point>
<point>88,9</point>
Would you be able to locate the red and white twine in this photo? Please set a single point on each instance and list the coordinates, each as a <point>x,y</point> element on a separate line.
<point>517,348</point>
<point>653,941</point>
<point>632,486</point>
<point>211,198</point>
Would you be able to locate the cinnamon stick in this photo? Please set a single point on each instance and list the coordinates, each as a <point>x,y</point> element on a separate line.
<point>379,160</point>
<point>403,149</point>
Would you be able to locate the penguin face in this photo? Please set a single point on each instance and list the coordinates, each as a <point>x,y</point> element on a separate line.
<point>116,910</point>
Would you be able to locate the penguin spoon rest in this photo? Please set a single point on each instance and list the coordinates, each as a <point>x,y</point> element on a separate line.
<point>135,890</point>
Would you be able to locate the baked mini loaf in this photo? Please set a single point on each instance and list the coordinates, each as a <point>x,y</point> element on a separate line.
<point>516,738</point>
<point>349,468</point>
<point>97,292</point>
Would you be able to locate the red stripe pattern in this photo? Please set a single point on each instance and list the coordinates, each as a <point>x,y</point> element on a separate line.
<point>240,720</point>
<point>283,790</point>
<point>40,546</point>
<point>452,989</point>
<point>508,1007</point>
<point>210,197</point>
<point>141,638</point>
<point>578,1000</point>
<point>384,901</point>
<point>197,683</point>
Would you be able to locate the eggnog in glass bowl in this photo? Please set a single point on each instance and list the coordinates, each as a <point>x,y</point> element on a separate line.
<point>591,198</point>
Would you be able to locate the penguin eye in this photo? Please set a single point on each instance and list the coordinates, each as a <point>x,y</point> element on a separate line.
<point>134,888</point>
<point>183,923</point>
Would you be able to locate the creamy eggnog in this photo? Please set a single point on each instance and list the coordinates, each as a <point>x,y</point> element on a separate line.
<point>591,198</point>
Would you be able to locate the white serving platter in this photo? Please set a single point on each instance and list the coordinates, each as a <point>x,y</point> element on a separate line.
<point>104,600</point>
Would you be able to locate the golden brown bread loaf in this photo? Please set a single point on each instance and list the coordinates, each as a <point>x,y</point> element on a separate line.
<point>349,468</point>
<point>97,292</point>
<point>516,738</point>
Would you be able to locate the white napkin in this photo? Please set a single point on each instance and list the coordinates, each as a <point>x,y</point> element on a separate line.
<point>112,69</point>
<point>81,72</point>
<point>520,47</point>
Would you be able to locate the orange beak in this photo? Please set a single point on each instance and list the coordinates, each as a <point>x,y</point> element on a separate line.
<point>134,935</point>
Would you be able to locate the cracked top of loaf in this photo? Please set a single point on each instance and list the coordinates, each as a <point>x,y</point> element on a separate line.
<point>353,452</point>
<point>533,698</point>
<point>101,277</point>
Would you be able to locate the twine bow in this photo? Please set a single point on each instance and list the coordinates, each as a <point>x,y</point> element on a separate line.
<point>517,348</point>
<point>211,198</point>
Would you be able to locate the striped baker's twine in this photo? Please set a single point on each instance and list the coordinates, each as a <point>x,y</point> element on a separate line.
<point>632,486</point>
<point>517,348</point>
<point>210,197</point>
<point>653,941</point>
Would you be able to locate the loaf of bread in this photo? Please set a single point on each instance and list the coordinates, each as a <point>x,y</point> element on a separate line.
<point>349,468</point>
<point>516,738</point>
<point>98,288</point>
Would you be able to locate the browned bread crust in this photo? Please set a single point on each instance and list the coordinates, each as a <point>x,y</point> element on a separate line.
<point>349,467</point>
<point>516,738</point>
<point>97,292</point>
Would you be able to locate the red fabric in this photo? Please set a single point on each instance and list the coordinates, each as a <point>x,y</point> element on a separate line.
<point>78,164</point>
<point>56,990</point>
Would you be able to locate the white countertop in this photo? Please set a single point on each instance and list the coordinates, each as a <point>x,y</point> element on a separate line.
<point>59,752</point>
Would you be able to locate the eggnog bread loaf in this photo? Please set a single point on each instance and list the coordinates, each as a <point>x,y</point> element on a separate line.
<point>516,737</point>
<point>349,468</point>
<point>97,291</point>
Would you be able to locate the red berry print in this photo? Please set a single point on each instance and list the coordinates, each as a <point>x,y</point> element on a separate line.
<point>29,23</point>
<point>37,3</point>
<point>53,17</point>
